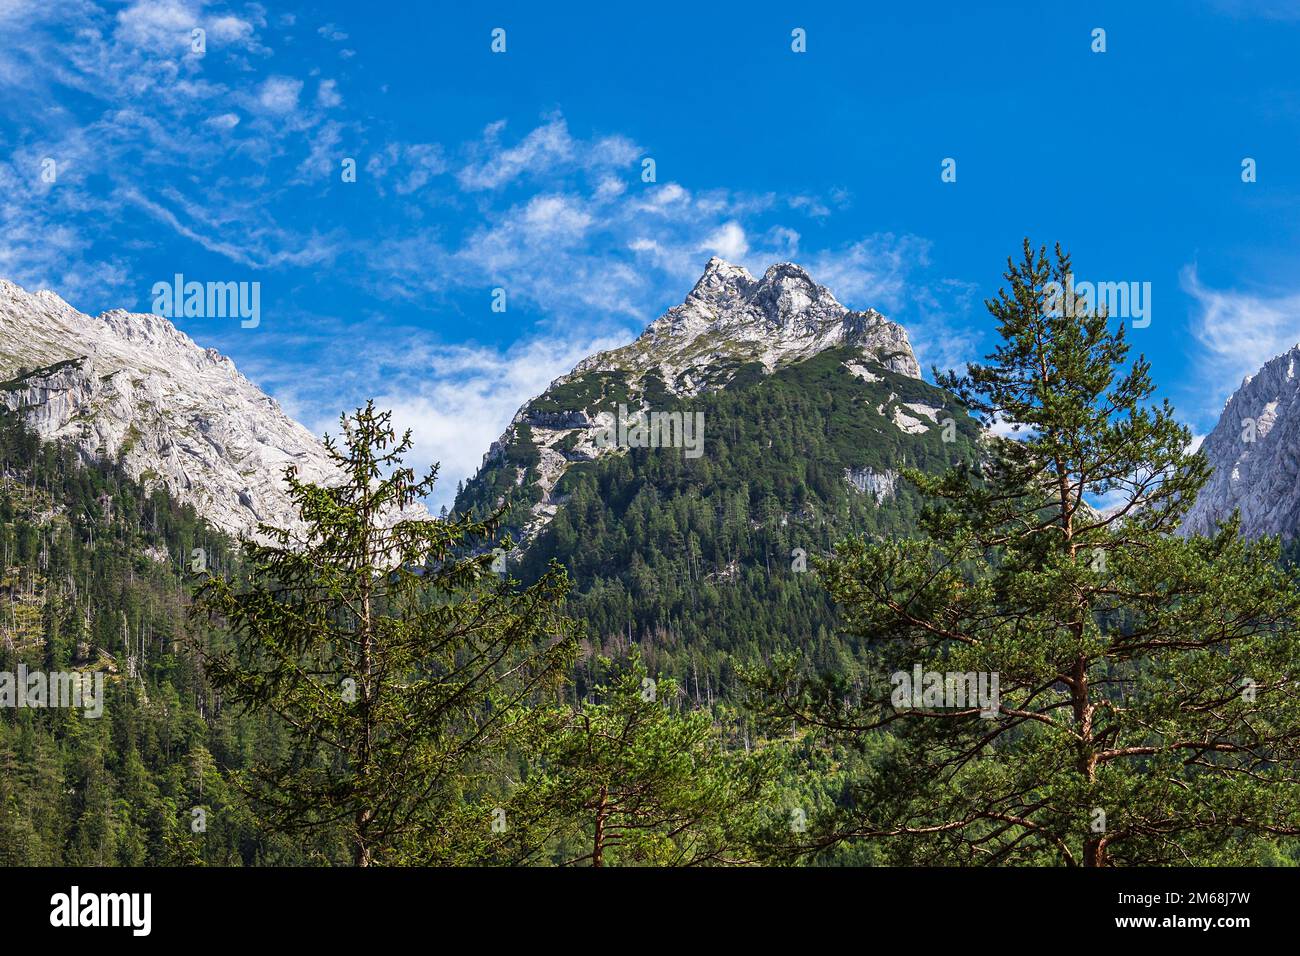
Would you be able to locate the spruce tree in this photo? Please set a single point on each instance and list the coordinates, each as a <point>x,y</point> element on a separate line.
<point>398,662</point>
<point>1146,710</point>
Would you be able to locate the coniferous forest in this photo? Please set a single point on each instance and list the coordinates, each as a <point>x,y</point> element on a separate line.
<point>696,662</point>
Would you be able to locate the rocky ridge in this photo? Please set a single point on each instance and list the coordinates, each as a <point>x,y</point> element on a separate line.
<point>133,386</point>
<point>1254,450</point>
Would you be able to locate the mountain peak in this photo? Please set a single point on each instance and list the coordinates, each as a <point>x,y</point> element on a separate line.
<point>134,387</point>
<point>731,316</point>
<point>730,332</point>
<point>779,272</point>
<point>720,281</point>
<point>785,288</point>
<point>787,291</point>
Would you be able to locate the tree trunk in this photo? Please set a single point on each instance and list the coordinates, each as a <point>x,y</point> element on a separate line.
<point>598,844</point>
<point>360,849</point>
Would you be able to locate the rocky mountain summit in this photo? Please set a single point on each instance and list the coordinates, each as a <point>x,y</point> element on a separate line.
<point>134,387</point>
<point>1255,452</point>
<point>730,331</point>
<point>730,317</point>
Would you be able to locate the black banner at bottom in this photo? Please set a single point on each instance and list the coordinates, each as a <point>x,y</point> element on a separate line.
<point>875,905</point>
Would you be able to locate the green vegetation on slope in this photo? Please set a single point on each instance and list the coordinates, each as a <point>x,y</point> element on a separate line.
<point>699,560</point>
<point>93,578</point>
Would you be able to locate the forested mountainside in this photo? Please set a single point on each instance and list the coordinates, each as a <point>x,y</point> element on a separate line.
<point>703,561</point>
<point>98,577</point>
<point>94,579</point>
<point>663,675</point>
<point>809,411</point>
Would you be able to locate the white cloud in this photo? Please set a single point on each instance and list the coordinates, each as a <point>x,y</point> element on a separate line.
<point>259,248</point>
<point>549,218</point>
<point>811,205</point>
<point>783,241</point>
<point>424,161</point>
<point>541,149</point>
<point>661,198</point>
<point>728,241</point>
<point>161,24</point>
<point>148,115</point>
<point>230,29</point>
<point>279,94</point>
<point>610,188</point>
<point>871,272</point>
<point>327,95</point>
<point>323,159</point>
<point>1238,331</point>
<point>611,151</point>
<point>224,121</point>
<point>887,273</point>
<point>1005,429</point>
<point>417,164</point>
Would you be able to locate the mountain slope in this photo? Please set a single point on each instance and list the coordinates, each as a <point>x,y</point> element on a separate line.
<point>809,411</point>
<point>1254,450</point>
<point>94,579</point>
<point>135,387</point>
<point>731,329</point>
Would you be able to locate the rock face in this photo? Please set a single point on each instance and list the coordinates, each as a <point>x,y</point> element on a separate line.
<point>879,486</point>
<point>731,326</point>
<point>732,317</point>
<point>1255,452</point>
<point>134,387</point>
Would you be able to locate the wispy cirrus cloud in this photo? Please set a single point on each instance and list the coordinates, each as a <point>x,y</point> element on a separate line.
<point>564,221</point>
<point>544,149</point>
<point>146,107</point>
<point>1238,332</point>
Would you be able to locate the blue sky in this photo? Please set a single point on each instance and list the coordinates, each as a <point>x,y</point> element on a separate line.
<point>522,171</point>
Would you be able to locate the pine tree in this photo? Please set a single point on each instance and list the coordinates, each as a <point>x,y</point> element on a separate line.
<point>632,778</point>
<point>1145,711</point>
<point>398,661</point>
